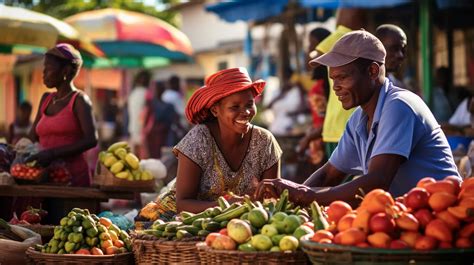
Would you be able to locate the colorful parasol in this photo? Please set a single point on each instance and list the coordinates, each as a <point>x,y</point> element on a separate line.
<point>22,29</point>
<point>121,33</point>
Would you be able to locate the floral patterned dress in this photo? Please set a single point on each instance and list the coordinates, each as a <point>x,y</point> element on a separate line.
<point>217,177</point>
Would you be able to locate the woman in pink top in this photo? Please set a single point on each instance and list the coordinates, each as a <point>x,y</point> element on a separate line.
<point>64,124</point>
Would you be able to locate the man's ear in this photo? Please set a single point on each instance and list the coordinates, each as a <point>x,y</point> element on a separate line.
<point>374,70</point>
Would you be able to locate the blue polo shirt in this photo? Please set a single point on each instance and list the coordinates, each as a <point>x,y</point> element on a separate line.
<point>402,125</point>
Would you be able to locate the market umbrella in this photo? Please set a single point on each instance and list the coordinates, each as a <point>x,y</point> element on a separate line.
<point>125,34</point>
<point>25,30</point>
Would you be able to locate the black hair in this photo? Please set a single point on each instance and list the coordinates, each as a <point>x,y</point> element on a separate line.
<point>26,106</point>
<point>160,87</point>
<point>65,63</point>
<point>384,30</point>
<point>173,82</point>
<point>319,33</point>
<point>142,79</point>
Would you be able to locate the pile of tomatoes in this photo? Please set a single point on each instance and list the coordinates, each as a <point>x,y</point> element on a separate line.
<point>22,171</point>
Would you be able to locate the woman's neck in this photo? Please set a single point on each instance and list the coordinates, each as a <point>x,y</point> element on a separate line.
<point>229,138</point>
<point>64,89</point>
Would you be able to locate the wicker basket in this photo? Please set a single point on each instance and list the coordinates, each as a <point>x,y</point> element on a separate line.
<point>331,254</point>
<point>45,231</point>
<point>105,180</point>
<point>213,256</point>
<point>160,251</point>
<point>38,258</point>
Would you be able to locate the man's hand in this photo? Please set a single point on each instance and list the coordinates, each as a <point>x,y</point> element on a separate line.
<point>272,188</point>
<point>44,158</point>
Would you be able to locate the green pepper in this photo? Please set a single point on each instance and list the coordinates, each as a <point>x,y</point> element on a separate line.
<point>69,246</point>
<point>101,228</point>
<point>72,220</point>
<point>88,222</point>
<point>64,221</point>
<point>70,236</point>
<point>61,251</point>
<point>61,244</point>
<point>77,229</point>
<point>64,235</point>
<point>77,237</point>
<point>92,241</point>
<point>57,234</point>
<point>92,232</point>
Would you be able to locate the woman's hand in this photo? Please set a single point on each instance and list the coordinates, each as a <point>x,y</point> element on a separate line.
<point>44,158</point>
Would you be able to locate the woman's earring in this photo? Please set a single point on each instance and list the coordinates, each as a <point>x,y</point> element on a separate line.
<point>64,78</point>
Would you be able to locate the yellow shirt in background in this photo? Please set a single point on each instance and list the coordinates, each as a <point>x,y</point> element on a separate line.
<point>336,116</point>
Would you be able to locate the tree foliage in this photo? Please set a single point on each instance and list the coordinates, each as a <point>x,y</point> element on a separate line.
<point>64,8</point>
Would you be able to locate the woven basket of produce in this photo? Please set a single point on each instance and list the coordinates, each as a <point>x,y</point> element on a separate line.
<point>38,258</point>
<point>150,250</point>
<point>334,254</point>
<point>214,256</point>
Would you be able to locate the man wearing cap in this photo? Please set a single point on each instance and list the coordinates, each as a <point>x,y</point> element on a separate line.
<point>392,139</point>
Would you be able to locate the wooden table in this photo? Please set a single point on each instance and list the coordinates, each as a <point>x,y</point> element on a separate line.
<point>57,200</point>
<point>51,191</point>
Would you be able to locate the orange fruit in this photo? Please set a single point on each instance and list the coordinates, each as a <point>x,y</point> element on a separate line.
<point>440,201</point>
<point>337,209</point>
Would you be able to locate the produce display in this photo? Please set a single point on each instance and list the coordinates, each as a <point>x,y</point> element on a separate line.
<point>433,215</point>
<point>248,226</point>
<point>83,233</point>
<point>122,163</point>
<point>27,171</point>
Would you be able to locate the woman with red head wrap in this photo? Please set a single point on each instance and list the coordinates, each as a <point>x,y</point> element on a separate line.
<point>224,153</point>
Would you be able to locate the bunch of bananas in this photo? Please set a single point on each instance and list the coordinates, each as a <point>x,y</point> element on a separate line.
<point>122,163</point>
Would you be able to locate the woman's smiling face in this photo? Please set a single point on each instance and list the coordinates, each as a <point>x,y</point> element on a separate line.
<point>236,111</point>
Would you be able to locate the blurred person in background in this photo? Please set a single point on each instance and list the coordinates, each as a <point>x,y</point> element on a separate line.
<point>64,125</point>
<point>311,144</point>
<point>22,125</point>
<point>174,95</point>
<point>394,40</point>
<point>158,120</point>
<point>336,117</point>
<point>135,105</point>
<point>287,105</point>
<point>442,108</point>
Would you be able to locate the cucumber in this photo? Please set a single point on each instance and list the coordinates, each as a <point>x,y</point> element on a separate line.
<point>190,229</point>
<point>227,216</point>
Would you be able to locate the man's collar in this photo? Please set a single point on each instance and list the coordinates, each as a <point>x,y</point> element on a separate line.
<point>362,125</point>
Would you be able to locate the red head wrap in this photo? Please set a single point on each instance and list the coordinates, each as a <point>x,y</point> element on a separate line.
<point>218,86</point>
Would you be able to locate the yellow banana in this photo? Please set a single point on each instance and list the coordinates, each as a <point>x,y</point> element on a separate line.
<point>123,175</point>
<point>137,173</point>
<point>120,152</point>
<point>132,161</point>
<point>109,160</point>
<point>117,145</point>
<point>117,167</point>
<point>102,155</point>
<point>146,175</point>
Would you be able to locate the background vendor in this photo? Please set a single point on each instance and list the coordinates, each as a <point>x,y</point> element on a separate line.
<point>64,124</point>
<point>392,140</point>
